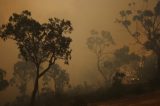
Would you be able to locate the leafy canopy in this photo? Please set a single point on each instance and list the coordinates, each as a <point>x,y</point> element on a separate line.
<point>39,43</point>
<point>146,23</point>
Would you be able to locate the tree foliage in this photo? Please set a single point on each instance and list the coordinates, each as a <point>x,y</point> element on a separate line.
<point>22,75</point>
<point>98,45</point>
<point>144,26</point>
<point>60,78</point>
<point>122,58</point>
<point>147,24</point>
<point>39,43</point>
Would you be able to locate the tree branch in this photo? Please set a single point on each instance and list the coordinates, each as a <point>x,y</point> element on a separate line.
<point>51,62</point>
<point>99,69</point>
<point>137,40</point>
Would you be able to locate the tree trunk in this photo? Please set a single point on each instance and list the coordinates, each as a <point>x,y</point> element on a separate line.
<point>158,68</point>
<point>100,70</point>
<point>55,87</point>
<point>156,79</point>
<point>35,90</point>
<point>158,63</point>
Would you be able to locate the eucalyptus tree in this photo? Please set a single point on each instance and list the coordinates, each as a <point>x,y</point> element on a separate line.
<point>144,26</point>
<point>39,43</point>
<point>60,78</point>
<point>98,44</point>
<point>22,75</point>
<point>122,58</point>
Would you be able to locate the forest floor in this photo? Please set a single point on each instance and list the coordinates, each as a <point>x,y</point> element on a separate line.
<point>148,99</point>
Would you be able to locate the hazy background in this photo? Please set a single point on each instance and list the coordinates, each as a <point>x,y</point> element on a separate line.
<point>85,15</point>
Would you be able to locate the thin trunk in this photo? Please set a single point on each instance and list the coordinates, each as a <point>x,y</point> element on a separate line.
<point>35,90</point>
<point>55,87</point>
<point>99,69</point>
<point>157,78</point>
<point>158,68</point>
<point>158,63</point>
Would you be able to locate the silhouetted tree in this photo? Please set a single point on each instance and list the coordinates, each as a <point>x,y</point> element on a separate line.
<point>46,88</point>
<point>98,44</point>
<point>23,73</point>
<point>60,78</point>
<point>144,26</point>
<point>39,43</point>
<point>3,83</point>
<point>122,58</point>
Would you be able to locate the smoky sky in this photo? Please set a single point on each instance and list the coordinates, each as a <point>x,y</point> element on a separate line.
<point>85,15</point>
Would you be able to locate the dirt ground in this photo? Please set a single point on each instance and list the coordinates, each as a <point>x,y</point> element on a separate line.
<point>148,99</point>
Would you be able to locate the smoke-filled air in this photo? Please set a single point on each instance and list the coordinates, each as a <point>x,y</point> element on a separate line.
<point>79,52</point>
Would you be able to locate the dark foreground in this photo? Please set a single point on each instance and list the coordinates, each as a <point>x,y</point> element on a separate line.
<point>148,99</point>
